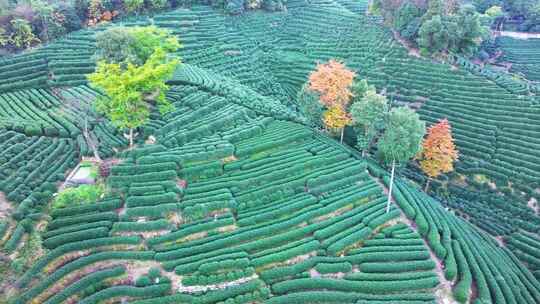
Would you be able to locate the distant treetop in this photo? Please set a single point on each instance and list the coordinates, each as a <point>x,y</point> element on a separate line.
<point>436,27</point>
<point>133,44</point>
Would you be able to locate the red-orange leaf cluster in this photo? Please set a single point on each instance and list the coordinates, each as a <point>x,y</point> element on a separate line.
<point>332,81</point>
<point>439,151</point>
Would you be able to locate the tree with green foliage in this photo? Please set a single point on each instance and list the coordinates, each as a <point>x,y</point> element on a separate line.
<point>84,194</point>
<point>460,33</point>
<point>408,20</point>
<point>4,38</point>
<point>133,5</point>
<point>134,64</point>
<point>483,5</point>
<point>133,44</point>
<point>114,45</point>
<point>368,115</point>
<point>401,140</point>
<point>22,36</point>
<point>49,20</point>
<point>435,26</point>
<point>130,91</point>
<point>494,12</point>
<point>310,106</point>
<point>432,35</point>
<point>471,32</point>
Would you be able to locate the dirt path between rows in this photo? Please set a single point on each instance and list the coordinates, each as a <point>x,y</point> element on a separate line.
<point>5,207</point>
<point>517,35</point>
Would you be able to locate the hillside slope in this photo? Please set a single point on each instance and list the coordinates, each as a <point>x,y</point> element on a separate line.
<point>239,206</point>
<point>238,201</point>
<point>493,116</point>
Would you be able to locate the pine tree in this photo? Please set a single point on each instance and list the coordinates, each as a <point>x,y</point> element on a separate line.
<point>439,151</point>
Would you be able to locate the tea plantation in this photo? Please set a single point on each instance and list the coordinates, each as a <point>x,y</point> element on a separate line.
<point>235,199</point>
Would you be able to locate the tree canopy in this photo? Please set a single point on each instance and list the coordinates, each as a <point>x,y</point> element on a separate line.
<point>127,89</point>
<point>336,118</point>
<point>133,66</point>
<point>310,106</point>
<point>133,44</point>
<point>402,138</point>
<point>439,152</point>
<point>333,82</point>
<point>368,114</point>
<point>436,27</point>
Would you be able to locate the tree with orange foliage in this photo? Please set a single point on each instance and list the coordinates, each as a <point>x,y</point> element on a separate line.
<point>336,118</point>
<point>439,151</point>
<point>332,81</point>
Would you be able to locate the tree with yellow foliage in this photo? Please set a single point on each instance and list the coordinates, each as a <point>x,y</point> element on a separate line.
<point>336,118</point>
<point>439,151</point>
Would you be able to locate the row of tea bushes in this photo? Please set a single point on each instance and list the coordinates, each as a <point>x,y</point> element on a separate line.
<point>34,112</point>
<point>23,72</point>
<point>393,265</point>
<point>526,247</point>
<point>522,54</point>
<point>468,253</point>
<point>32,165</point>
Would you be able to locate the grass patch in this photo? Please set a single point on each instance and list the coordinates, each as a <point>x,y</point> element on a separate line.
<point>78,196</point>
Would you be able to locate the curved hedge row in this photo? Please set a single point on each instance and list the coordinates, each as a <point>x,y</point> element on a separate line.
<point>77,264</point>
<point>66,248</point>
<point>153,291</point>
<point>89,280</point>
<point>92,233</point>
<point>370,287</point>
<point>217,278</point>
<point>349,297</point>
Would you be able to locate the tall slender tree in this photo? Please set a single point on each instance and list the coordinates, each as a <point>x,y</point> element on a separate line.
<point>439,151</point>
<point>368,118</point>
<point>401,140</point>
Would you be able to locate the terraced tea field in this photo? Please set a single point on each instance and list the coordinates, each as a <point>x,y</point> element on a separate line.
<point>236,200</point>
<point>522,54</point>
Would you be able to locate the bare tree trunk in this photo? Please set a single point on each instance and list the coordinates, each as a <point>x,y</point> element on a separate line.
<point>366,148</point>
<point>131,137</point>
<point>391,185</point>
<point>427,185</point>
<point>89,141</point>
<point>341,139</point>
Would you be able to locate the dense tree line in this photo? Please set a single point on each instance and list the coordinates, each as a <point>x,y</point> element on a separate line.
<point>521,15</point>
<point>26,23</point>
<point>435,26</point>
